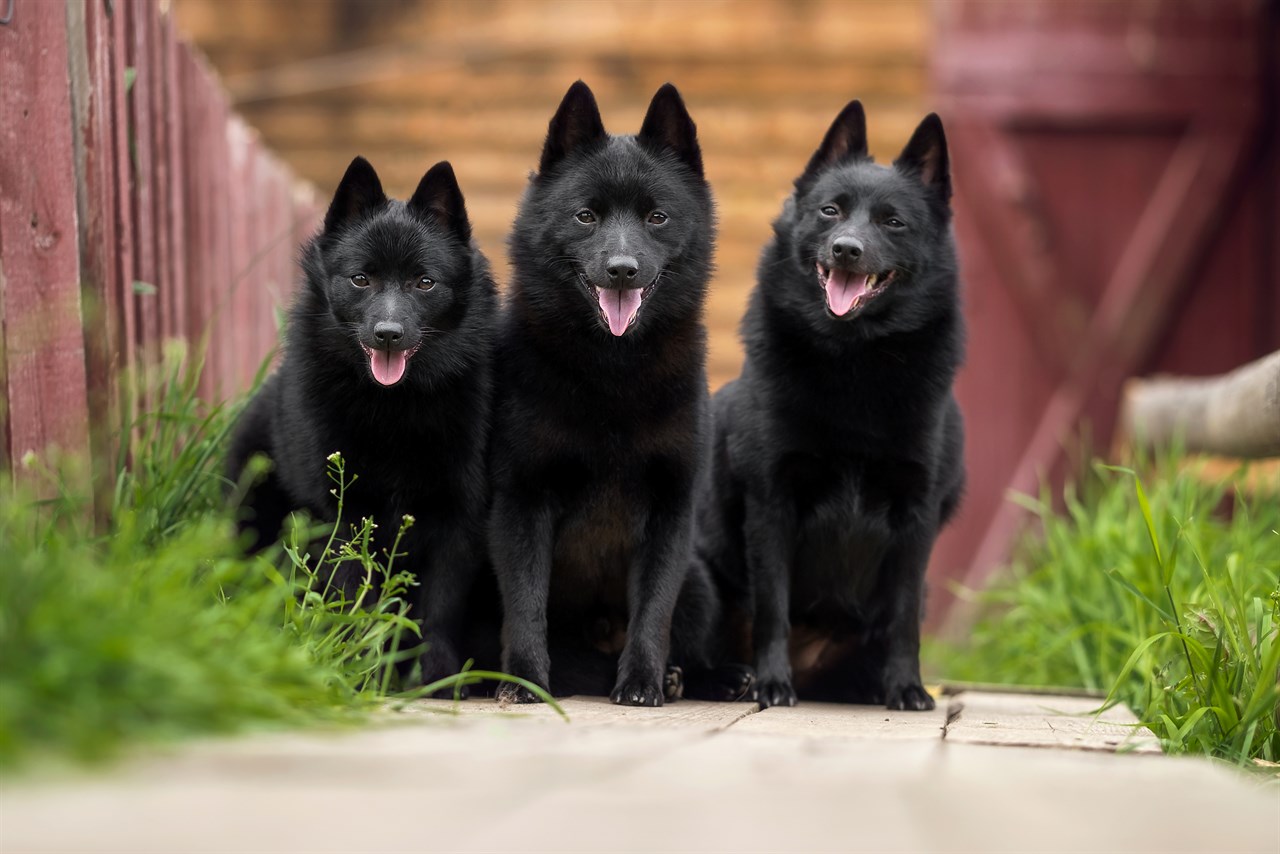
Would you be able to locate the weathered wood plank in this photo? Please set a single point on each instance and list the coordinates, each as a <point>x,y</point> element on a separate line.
<point>142,153</point>
<point>175,187</point>
<point>243,236</point>
<point>156,305</point>
<point>125,254</point>
<point>219,276</point>
<point>40,310</point>
<point>89,45</point>
<point>276,290</point>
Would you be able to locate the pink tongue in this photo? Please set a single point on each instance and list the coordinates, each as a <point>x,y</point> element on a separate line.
<point>843,288</point>
<point>388,366</point>
<point>620,308</point>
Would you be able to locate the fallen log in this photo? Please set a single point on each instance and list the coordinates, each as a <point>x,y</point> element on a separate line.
<point>1234,415</point>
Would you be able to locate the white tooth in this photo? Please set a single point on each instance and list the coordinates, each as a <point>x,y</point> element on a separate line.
<point>871,280</point>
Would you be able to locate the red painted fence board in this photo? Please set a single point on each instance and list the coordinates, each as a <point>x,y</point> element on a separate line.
<point>186,225</point>
<point>43,350</point>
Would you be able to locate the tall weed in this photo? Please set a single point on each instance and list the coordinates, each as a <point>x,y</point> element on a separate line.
<point>1161,592</point>
<point>158,625</point>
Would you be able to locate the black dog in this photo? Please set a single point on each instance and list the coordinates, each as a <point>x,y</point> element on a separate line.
<point>602,427</point>
<point>387,360</point>
<point>838,451</point>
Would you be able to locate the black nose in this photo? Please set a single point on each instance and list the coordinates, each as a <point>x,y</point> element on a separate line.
<point>388,334</point>
<point>622,268</point>
<point>847,248</point>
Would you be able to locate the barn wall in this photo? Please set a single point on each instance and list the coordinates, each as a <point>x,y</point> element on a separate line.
<point>409,82</point>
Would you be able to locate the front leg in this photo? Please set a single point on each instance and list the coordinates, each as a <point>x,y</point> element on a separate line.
<point>520,541</point>
<point>902,575</point>
<point>653,585</point>
<point>454,556</point>
<point>769,534</point>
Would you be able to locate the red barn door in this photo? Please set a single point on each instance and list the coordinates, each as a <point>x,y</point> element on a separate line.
<point>1116,200</point>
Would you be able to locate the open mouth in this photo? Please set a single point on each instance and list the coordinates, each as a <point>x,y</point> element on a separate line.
<point>848,291</point>
<point>619,308</point>
<point>388,366</point>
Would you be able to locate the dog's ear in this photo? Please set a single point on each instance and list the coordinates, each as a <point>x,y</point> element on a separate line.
<point>846,140</point>
<point>576,124</point>
<point>668,125</point>
<point>358,192</point>
<point>439,199</point>
<point>925,157</point>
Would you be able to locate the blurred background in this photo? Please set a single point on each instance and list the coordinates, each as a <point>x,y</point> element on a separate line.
<point>409,82</point>
<point>1115,165</point>
<point>1114,160</point>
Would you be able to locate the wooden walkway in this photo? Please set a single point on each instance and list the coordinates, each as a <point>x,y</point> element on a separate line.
<point>985,772</point>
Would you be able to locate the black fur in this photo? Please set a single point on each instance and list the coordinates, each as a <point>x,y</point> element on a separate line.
<point>416,446</point>
<point>601,433</point>
<point>838,451</point>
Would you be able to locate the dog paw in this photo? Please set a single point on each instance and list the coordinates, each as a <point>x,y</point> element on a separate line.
<point>910,697</point>
<point>637,693</point>
<point>734,682</point>
<point>511,694</point>
<point>673,683</point>
<point>775,692</point>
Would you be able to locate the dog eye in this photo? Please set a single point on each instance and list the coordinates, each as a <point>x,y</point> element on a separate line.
<point>585,217</point>
<point>894,222</point>
<point>360,280</point>
<point>426,284</point>
<point>658,218</point>
<point>829,210</point>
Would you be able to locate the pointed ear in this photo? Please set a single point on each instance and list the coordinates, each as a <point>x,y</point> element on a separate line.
<point>358,192</point>
<point>667,125</point>
<point>846,140</point>
<point>439,199</point>
<point>576,124</point>
<point>925,157</point>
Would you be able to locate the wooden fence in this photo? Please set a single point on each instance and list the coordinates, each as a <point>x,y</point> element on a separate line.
<point>135,208</point>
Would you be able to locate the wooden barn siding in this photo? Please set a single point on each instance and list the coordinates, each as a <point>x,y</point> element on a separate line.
<point>132,215</point>
<point>476,83</point>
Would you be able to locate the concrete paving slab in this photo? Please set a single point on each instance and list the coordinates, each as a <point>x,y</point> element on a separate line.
<point>598,711</point>
<point>427,785</point>
<point>831,720</point>
<point>487,779</point>
<point>1039,721</point>
<point>784,793</point>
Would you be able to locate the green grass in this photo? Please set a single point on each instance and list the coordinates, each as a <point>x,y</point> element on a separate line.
<point>1162,593</point>
<point>154,625</point>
